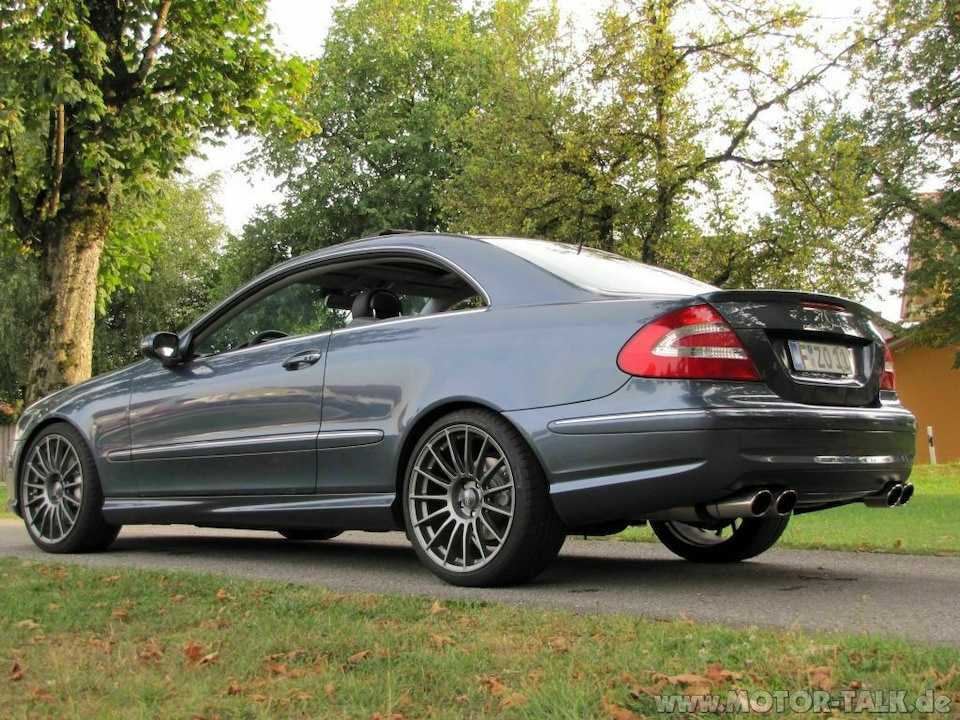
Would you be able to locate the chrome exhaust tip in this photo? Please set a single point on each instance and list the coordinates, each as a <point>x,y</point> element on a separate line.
<point>785,503</point>
<point>887,498</point>
<point>906,493</point>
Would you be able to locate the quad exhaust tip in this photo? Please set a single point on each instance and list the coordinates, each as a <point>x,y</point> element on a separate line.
<point>891,496</point>
<point>747,504</point>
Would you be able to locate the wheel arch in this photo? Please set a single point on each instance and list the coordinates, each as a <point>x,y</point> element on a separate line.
<point>26,441</point>
<point>416,430</point>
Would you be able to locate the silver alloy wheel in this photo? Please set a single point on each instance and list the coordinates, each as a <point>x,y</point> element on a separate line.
<point>705,536</point>
<point>461,498</point>
<point>52,489</point>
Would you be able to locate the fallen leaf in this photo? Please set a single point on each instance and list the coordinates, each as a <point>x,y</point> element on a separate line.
<point>16,672</point>
<point>152,651</point>
<point>897,544</point>
<point>209,658</point>
<point>438,641</point>
<point>279,669</point>
<point>493,684</point>
<point>437,608</point>
<point>688,679</point>
<point>234,689</point>
<point>615,711</point>
<point>560,644</point>
<point>176,598</point>
<point>514,699</point>
<point>943,679</point>
<point>577,675</point>
<point>359,657</point>
<point>223,596</point>
<point>655,689</point>
<point>28,624</point>
<point>820,677</point>
<point>111,579</point>
<point>717,674</point>
<point>41,695</point>
<point>194,651</point>
<point>258,698</point>
<point>330,688</point>
<point>120,613</point>
<point>298,694</point>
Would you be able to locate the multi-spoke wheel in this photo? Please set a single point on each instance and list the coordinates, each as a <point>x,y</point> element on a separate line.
<point>727,541</point>
<point>476,504</point>
<point>60,495</point>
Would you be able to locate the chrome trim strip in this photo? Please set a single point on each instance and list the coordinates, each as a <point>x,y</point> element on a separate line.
<point>333,439</point>
<point>214,445</point>
<point>626,417</point>
<point>595,423</point>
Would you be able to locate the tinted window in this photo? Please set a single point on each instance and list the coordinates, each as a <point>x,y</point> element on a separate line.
<point>601,271</point>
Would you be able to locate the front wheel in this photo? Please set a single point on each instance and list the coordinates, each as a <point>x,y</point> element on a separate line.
<point>476,504</point>
<point>60,496</point>
<point>727,541</point>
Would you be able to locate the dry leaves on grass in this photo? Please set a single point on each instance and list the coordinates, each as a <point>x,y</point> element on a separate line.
<point>440,641</point>
<point>198,655</point>
<point>508,697</point>
<point>941,679</point>
<point>16,672</point>
<point>151,652</point>
<point>613,711</point>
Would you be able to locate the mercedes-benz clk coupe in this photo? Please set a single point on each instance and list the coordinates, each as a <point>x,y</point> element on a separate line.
<point>488,396</point>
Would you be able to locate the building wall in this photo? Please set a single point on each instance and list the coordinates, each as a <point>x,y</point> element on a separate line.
<point>930,388</point>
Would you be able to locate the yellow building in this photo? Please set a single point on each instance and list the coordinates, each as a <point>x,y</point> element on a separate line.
<point>930,388</point>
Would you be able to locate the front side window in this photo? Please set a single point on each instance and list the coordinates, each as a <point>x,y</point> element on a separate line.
<point>298,308</point>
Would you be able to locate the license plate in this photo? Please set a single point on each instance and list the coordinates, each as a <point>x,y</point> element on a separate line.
<point>811,357</point>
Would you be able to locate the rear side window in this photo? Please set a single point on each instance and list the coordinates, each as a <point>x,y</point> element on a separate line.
<point>601,271</point>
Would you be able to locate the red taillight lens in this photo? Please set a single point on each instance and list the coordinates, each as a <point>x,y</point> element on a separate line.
<point>692,343</point>
<point>888,381</point>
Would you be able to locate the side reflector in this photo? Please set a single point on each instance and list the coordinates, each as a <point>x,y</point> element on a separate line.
<point>691,343</point>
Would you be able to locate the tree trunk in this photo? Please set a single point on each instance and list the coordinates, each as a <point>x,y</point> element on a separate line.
<point>62,350</point>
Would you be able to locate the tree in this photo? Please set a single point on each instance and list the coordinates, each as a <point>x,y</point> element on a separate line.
<point>391,75</point>
<point>98,96</point>
<point>653,140</point>
<point>913,74</point>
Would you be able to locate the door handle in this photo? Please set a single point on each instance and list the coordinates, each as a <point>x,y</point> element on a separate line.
<point>306,359</point>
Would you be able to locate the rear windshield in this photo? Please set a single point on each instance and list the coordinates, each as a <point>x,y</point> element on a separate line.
<point>601,271</point>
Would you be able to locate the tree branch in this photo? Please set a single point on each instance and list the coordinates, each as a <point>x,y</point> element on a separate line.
<point>153,44</point>
<point>57,180</point>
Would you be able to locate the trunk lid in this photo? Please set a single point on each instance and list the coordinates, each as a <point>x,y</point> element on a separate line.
<point>809,348</point>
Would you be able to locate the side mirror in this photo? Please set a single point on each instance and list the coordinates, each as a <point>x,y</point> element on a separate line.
<point>162,346</point>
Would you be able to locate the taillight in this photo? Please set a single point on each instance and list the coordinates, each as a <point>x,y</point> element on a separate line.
<point>691,343</point>
<point>888,381</point>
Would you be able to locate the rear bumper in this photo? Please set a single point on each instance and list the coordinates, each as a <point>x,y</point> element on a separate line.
<point>624,466</point>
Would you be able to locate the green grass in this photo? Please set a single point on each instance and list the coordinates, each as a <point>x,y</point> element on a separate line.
<point>80,642</point>
<point>927,525</point>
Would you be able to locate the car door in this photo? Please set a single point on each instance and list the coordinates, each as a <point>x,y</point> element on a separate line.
<point>241,414</point>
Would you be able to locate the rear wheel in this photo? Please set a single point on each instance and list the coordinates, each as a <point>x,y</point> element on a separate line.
<point>309,534</point>
<point>60,496</point>
<point>727,541</point>
<point>476,505</point>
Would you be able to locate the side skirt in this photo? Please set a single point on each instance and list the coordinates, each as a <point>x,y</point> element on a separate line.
<point>368,511</point>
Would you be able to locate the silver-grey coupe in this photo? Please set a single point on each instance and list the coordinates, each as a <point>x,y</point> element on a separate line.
<point>488,396</point>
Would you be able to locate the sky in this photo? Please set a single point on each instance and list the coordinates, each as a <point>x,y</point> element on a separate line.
<point>301,26</point>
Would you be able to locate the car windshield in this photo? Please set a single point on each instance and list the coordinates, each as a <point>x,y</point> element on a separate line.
<point>601,271</point>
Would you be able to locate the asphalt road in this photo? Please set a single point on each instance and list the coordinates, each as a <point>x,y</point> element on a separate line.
<point>915,597</point>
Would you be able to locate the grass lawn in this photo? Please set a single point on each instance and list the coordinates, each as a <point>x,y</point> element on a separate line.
<point>80,642</point>
<point>927,525</point>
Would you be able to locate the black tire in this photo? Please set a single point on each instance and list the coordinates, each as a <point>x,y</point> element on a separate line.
<point>476,504</point>
<point>307,535</point>
<point>61,500</point>
<point>726,542</point>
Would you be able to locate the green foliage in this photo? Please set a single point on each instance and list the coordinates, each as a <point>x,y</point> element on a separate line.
<point>17,305</point>
<point>170,283</point>
<point>98,99</point>
<point>913,71</point>
<point>391,75</point>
